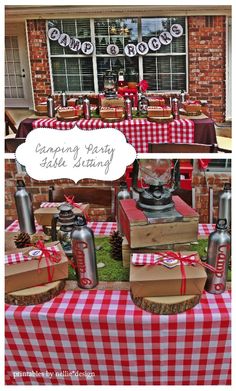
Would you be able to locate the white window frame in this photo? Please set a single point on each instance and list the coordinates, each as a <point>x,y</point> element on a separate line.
<point>140,58</point>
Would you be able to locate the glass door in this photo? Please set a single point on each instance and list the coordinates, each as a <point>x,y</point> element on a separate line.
<point>18,91</point>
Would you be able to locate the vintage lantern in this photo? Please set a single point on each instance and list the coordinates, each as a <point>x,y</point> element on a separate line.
<point>110,84</point>
<point>62,225</point>
<point>155,197</point>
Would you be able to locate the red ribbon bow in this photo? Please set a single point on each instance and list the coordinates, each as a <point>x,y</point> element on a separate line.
<point>183,260</point>
<point>51,256</point>
<point>70,200</point>
<point>143,84</point>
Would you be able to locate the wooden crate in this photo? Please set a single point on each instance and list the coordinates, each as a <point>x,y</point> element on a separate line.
<point>140,233</point>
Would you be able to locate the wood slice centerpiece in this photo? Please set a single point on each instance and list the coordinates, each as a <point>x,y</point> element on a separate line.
<point>35,295</point>
<point>166,305</point>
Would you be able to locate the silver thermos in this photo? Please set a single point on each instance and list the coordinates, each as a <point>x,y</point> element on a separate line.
<point>50,107</point>
<point>63,99</point>
<point>218,254</point>
<point>175,108</point>
<point>24,208</point>
<point>128,108</point>
<point>225,204</point>
<point>182,95</point>
<point>84,254</point>
<point>86,108</point>
<point>123,194</point>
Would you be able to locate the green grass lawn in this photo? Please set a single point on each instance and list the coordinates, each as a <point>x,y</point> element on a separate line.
<point>114,270</point>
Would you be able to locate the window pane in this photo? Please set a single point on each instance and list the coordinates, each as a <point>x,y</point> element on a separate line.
<point>83,28</point>
<point>178,82</point>
<point>60,83</point>
<point>68,27</point>
<point>72,65</point>
<point>55,48</point>
<point>153,27</point>
<point>116,64</point>
<point>164,82</point>
<point>116,31</point>
<point>58,65</point>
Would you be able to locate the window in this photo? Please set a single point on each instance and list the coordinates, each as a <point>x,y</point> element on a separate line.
<point>71,72</point>
<point>165,69</point>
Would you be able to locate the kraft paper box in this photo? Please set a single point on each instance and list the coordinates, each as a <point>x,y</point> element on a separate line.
<point>112,102</point>
<point>111,112</point>
<point>44,215</point>
<point>159,280</point>
<point>27,273</point>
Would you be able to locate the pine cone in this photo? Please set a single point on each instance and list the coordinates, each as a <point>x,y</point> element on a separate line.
<point>116,245</point>
<point>22,240</point>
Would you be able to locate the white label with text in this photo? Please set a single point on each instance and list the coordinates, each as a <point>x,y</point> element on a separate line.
<point>75,154</point>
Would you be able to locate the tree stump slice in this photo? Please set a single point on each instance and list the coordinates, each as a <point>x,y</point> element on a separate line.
<point>35,295</point>
<point>166,305</point>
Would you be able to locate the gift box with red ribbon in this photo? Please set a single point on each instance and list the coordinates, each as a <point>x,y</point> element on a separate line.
<point>44,214</point>
<point>111,112</point>
<point>35,265</point>
<point>167,273</point>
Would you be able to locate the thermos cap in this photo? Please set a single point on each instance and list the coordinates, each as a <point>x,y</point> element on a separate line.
<point>80,221</point>
<point>20,183</point>
<point>227,186</point>
<point>123,184</point>
<point>221,224</point>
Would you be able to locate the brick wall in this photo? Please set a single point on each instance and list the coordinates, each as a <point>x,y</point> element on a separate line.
<point>206,48</point>
<point>37,41</point>
<point>202,183</point>
<point>39,191</point>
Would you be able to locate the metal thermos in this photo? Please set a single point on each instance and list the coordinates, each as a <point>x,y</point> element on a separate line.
<point>86,108</point>
<point>63,99</point>
<point>24,208</point>
<point>225,204</point>
<point>175,108</point>
<point>123,194</point>
<point>218,254</point>
<point>50,107</point>
<point>182,94</point>
<point>128,108</point>
<point>84,254</point>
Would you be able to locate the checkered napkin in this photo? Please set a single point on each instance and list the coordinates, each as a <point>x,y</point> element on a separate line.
<point>11,259</point>
<point>152,259</point>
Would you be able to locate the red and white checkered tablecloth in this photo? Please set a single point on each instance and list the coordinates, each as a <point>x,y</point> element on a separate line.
<point>204,230</point>
<point>139,132</point>
<point>102,228</point>
<point>106,228</point>
<point>102,338</point>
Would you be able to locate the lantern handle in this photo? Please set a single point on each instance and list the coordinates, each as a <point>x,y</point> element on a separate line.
<point>54,227</point>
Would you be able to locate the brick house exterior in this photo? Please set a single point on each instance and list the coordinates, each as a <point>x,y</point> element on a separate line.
<point>206,61</point>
